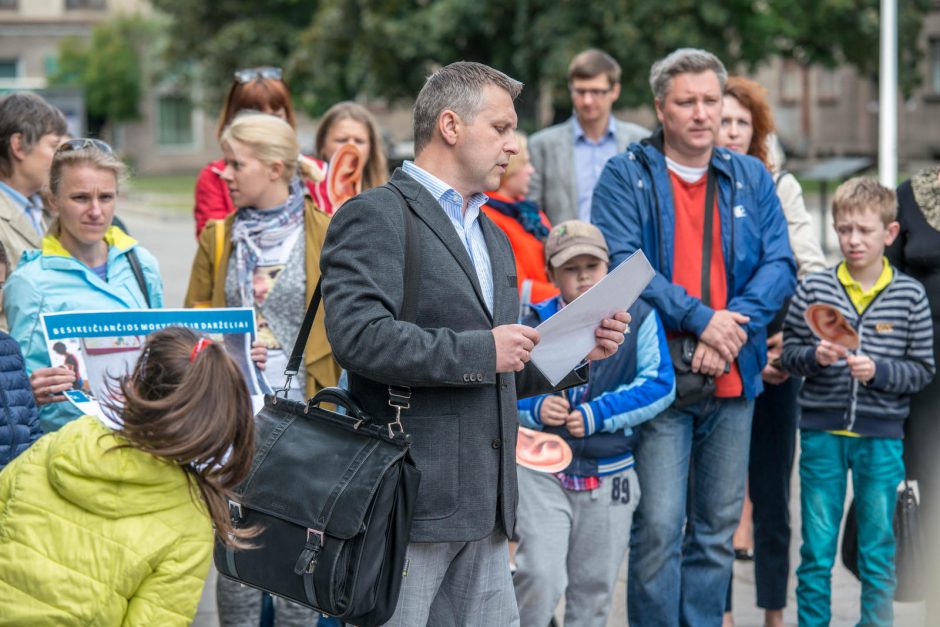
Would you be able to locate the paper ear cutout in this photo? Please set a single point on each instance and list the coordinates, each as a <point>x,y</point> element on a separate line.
<point>828,323</point>
<point>543,452</point>
<point>344,177</point>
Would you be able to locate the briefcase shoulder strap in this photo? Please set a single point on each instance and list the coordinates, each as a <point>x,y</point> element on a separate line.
<point>410,301</point>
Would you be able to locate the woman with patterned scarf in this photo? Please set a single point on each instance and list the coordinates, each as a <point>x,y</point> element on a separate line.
<point>267,256</point>
<point>525,224</point>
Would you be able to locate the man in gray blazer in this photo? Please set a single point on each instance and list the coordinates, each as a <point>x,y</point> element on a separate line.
<point>568,157</point>
<point>464,359</point>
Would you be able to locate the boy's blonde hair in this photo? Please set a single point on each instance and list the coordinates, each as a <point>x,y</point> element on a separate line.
<point>269,137</point>
<point>865,193</point>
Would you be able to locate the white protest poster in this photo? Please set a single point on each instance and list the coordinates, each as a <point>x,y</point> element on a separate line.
<point>102,346</point>
<point>568,336</point>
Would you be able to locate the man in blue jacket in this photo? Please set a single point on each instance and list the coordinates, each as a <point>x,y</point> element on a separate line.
<point>654,197</point>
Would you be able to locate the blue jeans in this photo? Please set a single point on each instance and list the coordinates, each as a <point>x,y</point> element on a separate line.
<point>679,577</point>
<point>877,469</point>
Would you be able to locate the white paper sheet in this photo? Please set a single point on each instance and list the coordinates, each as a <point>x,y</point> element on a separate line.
<point>568,336</point>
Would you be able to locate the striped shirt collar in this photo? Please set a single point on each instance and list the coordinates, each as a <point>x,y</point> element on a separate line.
<point>444,194</point>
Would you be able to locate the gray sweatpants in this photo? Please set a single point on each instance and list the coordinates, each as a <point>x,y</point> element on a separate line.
<point>451,584</point>
<point>240,606</point>
<point>571,543</point>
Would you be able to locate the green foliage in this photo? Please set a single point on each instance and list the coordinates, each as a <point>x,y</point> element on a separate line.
<point>108,67</point>
<point>338,49</point>
<point>833,32</point>
<point>226,36</point>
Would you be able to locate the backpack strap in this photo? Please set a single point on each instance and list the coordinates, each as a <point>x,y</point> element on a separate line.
<point>134,261</point>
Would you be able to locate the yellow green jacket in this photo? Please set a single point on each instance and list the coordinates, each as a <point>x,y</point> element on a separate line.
<point>92,535</point>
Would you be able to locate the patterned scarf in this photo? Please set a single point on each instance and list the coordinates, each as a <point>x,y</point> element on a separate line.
<point>256,230</point>
<point>525,212</point>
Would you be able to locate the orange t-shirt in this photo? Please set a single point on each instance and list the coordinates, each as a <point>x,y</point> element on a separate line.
<point>688,200</point>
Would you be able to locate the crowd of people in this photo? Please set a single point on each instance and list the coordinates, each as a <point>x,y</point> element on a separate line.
<point>682,420</point>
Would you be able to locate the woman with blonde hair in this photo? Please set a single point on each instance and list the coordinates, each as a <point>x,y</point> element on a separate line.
<point>524,223</point>
<point>260,89</point>
<point>351,123</point>
<point>85,263</point>
<point>266,256</point>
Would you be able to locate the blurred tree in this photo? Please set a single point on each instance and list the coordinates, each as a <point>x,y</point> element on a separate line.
<point>108,67</point>
<point>830,33</point>
<point>338,49</point>
<point>837,32</point>
<point>226,36</point>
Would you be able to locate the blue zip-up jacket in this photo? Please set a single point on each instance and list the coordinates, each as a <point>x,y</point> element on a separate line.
<point>19,417</point>
<point>628,388</point>
<point>52,280</point>
<point>895,330</point>
<point>633,207</point>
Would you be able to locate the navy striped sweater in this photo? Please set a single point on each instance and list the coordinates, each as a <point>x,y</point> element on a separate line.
<point>895,331</point>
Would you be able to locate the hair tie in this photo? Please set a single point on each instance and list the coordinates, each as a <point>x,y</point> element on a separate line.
<point>201,344</point>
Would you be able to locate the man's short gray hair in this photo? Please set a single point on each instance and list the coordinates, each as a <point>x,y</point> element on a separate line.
<point>459,88</point>
<point>684,61</point>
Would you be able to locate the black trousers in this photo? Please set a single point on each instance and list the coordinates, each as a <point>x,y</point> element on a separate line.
<point>773,443</point>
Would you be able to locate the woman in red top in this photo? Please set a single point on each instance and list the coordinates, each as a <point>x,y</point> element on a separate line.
<point>261,89</point>
<point>525,224</point>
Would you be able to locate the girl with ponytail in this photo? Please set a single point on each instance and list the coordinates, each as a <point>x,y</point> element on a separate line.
<point>102,526</point>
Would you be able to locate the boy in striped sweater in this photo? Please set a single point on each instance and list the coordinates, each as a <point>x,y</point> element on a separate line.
<point>854,403</point>
<point>574,526</point>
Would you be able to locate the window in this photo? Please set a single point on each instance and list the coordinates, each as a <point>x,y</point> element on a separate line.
<point>9,68</point>
<point>174,121</point>
<point>791,82</point>
<point>85,4</point>
<point>9,5</point>
<point>933,80</point>
<point>828,86</point>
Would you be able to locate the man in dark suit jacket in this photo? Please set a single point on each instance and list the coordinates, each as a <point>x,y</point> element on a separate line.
<point>463,357</point>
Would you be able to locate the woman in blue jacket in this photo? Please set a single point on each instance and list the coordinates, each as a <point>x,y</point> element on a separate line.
<point>85,263</point>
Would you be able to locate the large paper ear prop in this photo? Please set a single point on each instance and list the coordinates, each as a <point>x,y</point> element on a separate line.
<point>543,452</point>
<point>828,323</point>
<point>344,177</point>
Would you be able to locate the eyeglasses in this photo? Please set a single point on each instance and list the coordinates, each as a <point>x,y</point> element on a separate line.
<point>82,143</point>
<point>247,75</point>
<point>594,93</point>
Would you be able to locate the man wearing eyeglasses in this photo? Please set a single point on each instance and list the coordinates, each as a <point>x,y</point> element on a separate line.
<point>568,157</point>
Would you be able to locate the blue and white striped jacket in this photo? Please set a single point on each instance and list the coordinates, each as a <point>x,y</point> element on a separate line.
<point>631,387</point>
<point>895,331</point>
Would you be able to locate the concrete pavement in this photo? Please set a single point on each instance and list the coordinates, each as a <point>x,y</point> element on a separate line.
<point>171,239</point>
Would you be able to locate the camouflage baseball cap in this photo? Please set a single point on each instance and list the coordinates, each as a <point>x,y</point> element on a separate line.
<point>572,238</point>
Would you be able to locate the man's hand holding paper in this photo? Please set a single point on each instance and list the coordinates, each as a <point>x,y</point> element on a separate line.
<point>593,325</point>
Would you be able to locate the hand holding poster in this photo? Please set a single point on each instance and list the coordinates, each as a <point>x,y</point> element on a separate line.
<point>102,346</point>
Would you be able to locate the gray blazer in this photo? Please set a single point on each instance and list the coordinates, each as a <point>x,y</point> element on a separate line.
<point>462,418</point>
<point>553,186</point>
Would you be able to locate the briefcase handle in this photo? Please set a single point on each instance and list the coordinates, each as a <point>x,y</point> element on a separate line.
<point>340,398</point>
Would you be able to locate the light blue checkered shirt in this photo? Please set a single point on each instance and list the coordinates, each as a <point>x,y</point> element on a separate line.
<point>590,157</point>
<point>466,224</point>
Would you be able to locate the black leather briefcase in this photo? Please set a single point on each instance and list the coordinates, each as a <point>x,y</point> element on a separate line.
<point>334,495</point>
